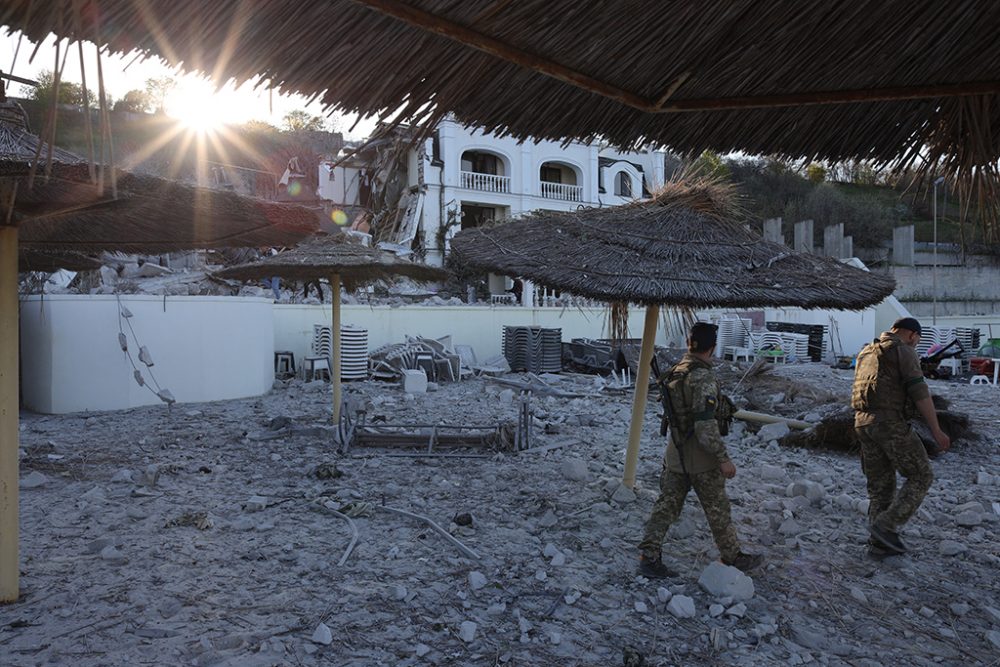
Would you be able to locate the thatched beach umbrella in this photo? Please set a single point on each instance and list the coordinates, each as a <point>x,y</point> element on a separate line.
<point>48,198</point>
<point>338,258</point>
<point>887,81</point>
<point>687,247</point>
<point>50,262</point>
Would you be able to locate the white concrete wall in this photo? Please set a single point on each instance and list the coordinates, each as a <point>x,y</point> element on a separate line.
<point>478,326</point>
<point>203,348</point>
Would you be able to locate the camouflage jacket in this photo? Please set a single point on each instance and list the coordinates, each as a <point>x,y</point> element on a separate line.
<point>887,381</point>
<point>695,432</point>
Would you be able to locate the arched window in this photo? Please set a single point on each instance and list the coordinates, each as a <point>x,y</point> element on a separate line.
<point>623,184</point>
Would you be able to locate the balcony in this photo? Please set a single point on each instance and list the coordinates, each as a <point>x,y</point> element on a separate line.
<point>562,191</point>
<point>485,182</point>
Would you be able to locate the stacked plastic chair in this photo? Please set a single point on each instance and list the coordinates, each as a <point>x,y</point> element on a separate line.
<point>533,349</point>
<point>796,344</point>
<point>353,352</point>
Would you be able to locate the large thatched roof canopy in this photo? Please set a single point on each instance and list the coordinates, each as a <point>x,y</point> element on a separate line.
<point>691,74</point>
<point>686,247</point>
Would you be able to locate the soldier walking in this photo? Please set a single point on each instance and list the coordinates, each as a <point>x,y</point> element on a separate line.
<point>695,458</point>
<point>888,382</point>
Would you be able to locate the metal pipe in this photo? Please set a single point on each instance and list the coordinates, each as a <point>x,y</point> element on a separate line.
<point>761,418</point>
<point>444,533</point>
<point>335,371</point>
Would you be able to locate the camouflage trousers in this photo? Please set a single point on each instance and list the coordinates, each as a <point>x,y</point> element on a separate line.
<point>889,447</point>
<point>710,486</point>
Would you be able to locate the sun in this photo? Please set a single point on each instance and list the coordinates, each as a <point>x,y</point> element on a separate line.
<point>198,106</point>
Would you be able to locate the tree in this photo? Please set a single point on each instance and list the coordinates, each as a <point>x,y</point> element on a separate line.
<point>299,120</point>
<point>135,101</point>
<point>816,172</point>
<point>43,93</point>
<point>711,164</point>
<point>159,89</point>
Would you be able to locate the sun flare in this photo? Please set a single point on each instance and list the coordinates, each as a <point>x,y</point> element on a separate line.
<point>200,107</point>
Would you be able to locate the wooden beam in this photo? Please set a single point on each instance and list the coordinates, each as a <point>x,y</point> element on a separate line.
<point>639,398</point>
<point>892,94</point>
<point>9,561</point>
<point>481,42</point>
<point>477,40</point>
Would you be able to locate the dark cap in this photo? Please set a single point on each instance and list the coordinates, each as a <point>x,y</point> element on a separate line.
<point>702,337</point>
<point>908,323</point>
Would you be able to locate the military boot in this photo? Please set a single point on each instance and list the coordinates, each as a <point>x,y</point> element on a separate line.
<point>889,539</point>
<point>744,561</point>
<point>653,568</point>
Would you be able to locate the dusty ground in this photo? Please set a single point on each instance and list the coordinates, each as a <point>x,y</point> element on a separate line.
<point>119,570</point>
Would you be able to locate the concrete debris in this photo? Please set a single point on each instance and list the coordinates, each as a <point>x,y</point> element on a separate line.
<point>33,480</point>
<point>623,495</point>
<point>322,635</point>
<point>681,606</point>
<point>467,631</point>
<point>721,580</point>
<point>477,580</point>
<point>951,548</point>
<point>415,381</point>
<point>663,595</point>
<point>769,432</point>
<point>575,469</point>
<point>255,504</point>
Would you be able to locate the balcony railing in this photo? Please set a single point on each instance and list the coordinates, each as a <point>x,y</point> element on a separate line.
<point>562,191</point>
<point>485,182</point>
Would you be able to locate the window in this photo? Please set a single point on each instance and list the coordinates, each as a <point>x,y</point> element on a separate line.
<point>623,184</point>
<point>551,175</point>
<point>480,163</point>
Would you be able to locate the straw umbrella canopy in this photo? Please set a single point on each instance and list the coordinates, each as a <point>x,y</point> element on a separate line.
<point>687,247</point>
<point>338,258</point>
<point>50,262</point>
<point>892,81</point>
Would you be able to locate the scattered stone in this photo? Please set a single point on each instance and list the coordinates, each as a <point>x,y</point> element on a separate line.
<point>548,519</point>
<point>770,432</point>
<point>737,610</point>
<point>863,506</point>
<point>681,606</point>
<point>477,580</point>
<point>506,396</point>
<point>255,504</point>
<point>327,471</point>
<point>111,554</point>
<point>789,527</point>
<point>663,595</point>
<point>844,501</point>
<point>623,495</point>
<point>859,595</point>
<point>421,650</point>
<point>550,550</point>
<point>575,469</point>
<point>463,519</point>
<point>322,635</point>
<point>951,548</point>
<point>682,530</point>
<point>773,473</point>
<point>33,480</point>
<point>123,475</point>
<point>722,580</point>
<point>926,612</point>
<point>993,613</point>
<point>540,575</point>
<point>969,518</point>
<point>715,610</point>
<point>993,637</point>
<point>555,637</point>
<point>959,608</point>
<point>987,479</point>
<point>558,560</point>
<point>468,631</point>
<point>641,607</point>
<point>571,597</point>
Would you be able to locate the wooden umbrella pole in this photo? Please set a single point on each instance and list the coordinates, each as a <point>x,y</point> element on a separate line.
<point>335,371</point>
<point>641,393</point>
<point>9,571</point>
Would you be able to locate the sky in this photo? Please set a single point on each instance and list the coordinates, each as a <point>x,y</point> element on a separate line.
<point>194,101</point>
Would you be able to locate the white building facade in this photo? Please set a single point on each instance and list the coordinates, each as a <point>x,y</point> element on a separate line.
<point>463,177</point>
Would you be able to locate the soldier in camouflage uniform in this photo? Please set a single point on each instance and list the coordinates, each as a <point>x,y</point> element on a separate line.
<point>695,457</point>
<point>888,380</point>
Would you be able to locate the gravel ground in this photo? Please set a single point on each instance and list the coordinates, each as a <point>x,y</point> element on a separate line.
<point>200,535</point>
